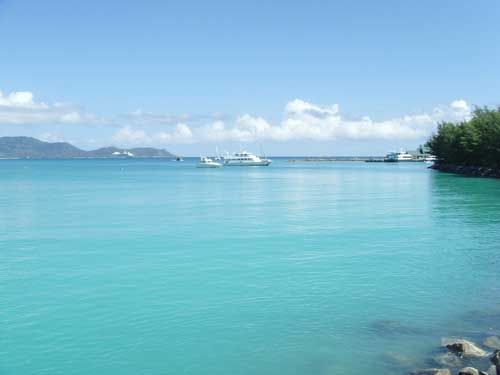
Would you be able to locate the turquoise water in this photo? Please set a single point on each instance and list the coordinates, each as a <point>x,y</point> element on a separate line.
<point>156,267</point>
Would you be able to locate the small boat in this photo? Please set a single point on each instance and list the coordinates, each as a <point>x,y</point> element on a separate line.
<point>208,163</point>
<point>245,159</point>
<point>178,158</point>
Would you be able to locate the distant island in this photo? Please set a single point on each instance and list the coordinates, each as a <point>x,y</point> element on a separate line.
<point>469,147</point>
<point>32,148</point>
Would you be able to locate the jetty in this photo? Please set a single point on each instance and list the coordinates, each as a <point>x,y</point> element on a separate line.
<point>330,159</point>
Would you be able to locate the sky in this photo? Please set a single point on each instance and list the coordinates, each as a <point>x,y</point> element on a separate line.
<point>294,77</point>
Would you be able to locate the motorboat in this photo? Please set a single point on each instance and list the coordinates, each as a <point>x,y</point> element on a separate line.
<point>206,162</point>
<point>245,159</point>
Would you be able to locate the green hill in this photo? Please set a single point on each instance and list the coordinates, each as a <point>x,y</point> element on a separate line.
<point>32,148</point>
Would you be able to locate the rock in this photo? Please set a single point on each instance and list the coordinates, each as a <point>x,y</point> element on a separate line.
<point>495,358</point>
<point>492,371</point>
<point>492,342</point>
<point>432,371</point>
<point>464,348</point>
<point>468,371</point>
<point>448,360</point>
<point>467,170</point>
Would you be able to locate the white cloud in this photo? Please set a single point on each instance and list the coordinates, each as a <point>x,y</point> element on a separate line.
<point>20,99</point>
<point>181,134</point>
<point>19,108</point>
<point>299,106</point>
<point>50,137</point>
<point>301,120</point>
<point>460,105</point>
<point>127,135</point>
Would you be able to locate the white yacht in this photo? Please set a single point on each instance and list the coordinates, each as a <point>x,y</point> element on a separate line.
<point>244,159</point>
<point>208,163</point>
<point>430,158</point>
<point>399,156</point>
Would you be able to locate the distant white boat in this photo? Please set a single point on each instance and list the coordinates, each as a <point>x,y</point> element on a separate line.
<point>245,159</point>
<point>430,158</point>
<point>208,163</point>
<point>121,154</point>
<point>399,156</point>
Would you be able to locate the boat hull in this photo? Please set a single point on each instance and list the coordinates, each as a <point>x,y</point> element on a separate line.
<point>211,165</point>
<point>263,163</point>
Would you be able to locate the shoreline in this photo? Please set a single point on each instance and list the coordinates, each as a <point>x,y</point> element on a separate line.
<point>469,171</point>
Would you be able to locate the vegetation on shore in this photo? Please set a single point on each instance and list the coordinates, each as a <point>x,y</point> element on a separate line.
<point>475,142</point>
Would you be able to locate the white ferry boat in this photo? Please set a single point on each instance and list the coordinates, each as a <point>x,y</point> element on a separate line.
<point>430,158</point>
<point>399,156</point>
<point>208,163</point>
<point>245,159</point>
<point>122,154</point>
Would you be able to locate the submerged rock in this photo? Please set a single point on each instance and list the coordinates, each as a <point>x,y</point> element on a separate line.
<point>468,371</point>
<point>463,348</point>
<point>492,371</point>
<point>432,371</point>
<point>448,360</point>
<point>398,359</point>
<point>391,327</point>
<point>483,318</point>
<point>495,358</point>
<point>492,342</point>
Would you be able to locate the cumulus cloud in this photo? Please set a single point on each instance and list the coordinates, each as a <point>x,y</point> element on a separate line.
<point>301,120</point>
<point>20,99</point>
<point>21,108</point>
<point>299,106</point>
<point>304,121</point>
<point>181,134</point>
<point>460,105</point>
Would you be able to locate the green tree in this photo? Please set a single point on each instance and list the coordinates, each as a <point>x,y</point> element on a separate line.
<point>475,142</point>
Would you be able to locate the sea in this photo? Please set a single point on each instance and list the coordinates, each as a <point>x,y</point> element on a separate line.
<point>151,266</point>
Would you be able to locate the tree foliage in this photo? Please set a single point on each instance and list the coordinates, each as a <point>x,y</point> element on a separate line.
<point>475,142</point>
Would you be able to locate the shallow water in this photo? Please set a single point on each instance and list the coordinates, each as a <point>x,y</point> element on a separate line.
<point>156,267</point>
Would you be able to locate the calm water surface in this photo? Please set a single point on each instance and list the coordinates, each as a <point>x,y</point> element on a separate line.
<point>156,267</point>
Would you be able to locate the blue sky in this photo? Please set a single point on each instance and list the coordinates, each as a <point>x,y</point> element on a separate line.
<point>316,77</point>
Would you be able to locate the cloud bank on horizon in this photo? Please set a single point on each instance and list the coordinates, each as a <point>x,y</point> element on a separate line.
<point>301,121</point>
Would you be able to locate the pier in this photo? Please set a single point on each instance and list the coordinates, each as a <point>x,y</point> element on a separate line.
<point>330,159</point>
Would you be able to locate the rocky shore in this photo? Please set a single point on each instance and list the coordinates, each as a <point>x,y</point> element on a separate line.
<point>476,360</point>
<point>467,345</point>
<point>467,170</point>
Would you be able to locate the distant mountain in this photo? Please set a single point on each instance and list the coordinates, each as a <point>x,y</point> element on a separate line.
<point>32,148</point>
